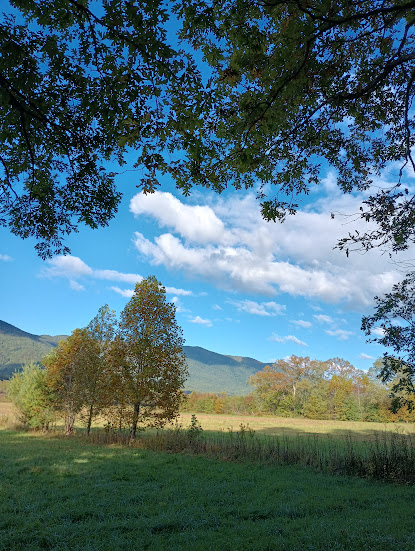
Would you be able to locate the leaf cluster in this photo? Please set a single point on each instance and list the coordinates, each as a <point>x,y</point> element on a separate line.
<point>296,84</point>
<point>79,82</point>
<point>393,326</point>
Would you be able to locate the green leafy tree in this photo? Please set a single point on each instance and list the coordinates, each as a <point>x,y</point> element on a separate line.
<point>33,399</point>
<point>271,386</point>
<point>316,406</point>
<point>96,374</point>
<point>148,360</point>
<point>393,326</point>
<point>292,377</point>
<point>68,374</point>
<point>80,81</point>
<point>298,82</point>
<point>293,83</point>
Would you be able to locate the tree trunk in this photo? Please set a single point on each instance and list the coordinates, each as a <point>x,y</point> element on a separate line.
<point>88,428</point>
<point>69,422</point>
<point>133,431</point>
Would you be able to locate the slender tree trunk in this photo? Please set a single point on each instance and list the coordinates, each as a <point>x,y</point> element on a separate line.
<point>91,411</point>
<point>69,422</point>
<point>133,431</point>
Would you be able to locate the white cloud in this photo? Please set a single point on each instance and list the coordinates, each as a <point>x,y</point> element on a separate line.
<point>229,244</point>
<point>341,334</point>
<point>72,267</point>
<point>289,338</point>
<point>321,318</point>
<point>259,309</point>
<point>301,323</point>
<point>181,292</point>
<point>378,332</point>
<point>76,286</point>
<point>113,275</point>
<point>197,223</point>
<point>128,293</point>
<point>364,356</point>
<point>216,307</point>
<point>67,266</point>
<point>200,321</point>
<point>5,258</point>
<point>179,307</point>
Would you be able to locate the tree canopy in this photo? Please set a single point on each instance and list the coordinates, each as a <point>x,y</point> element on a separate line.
<point>78,83</point>
<point>149,362</point>
<point>296,84</point>
<point>393,326</point>
<point>292,85</point>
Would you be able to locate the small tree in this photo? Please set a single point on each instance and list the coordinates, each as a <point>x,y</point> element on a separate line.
<point>31,396</point>
<point>148,358</point>
<point>96,378</point>
<point>68,366</point>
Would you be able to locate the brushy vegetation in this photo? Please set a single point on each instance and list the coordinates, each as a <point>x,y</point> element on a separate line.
<point>385,456</point>
<point>60,493</point>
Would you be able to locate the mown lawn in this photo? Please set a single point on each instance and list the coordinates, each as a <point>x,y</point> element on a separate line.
<point>61,493</point>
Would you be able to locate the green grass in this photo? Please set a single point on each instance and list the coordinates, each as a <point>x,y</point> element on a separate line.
<point>67,494</point>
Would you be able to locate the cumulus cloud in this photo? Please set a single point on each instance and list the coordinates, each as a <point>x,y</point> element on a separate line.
<point>228,243</point>
<point>302,323</point>
<point>198,223</point>
<point>200,321</point>
<point>67,266</point>
<point>5,258</point>
<point>72,267</point>
<point>76,286</point>
<point>128,293</point>
<point>321,318</point>
<point>364,356</point>
<point>259,309</point>
<point>289,338</point>
<point>341,334</point>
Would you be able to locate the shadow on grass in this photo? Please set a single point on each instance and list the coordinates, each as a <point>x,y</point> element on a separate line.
<point>66,493</point>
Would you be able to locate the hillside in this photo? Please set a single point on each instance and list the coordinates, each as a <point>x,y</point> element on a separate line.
<point>212,372</point>
<point>18,347</point>
<point>208,371</point>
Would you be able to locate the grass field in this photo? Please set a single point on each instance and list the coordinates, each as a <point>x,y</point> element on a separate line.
<point>288,426</point>
<point>61,494</point>
<point>280,426</point>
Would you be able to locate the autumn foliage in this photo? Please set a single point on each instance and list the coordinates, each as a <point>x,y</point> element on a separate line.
<point>296,386</point>
<point>129,372</point>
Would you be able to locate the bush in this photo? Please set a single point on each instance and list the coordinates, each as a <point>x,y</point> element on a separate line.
<point>29,393</point>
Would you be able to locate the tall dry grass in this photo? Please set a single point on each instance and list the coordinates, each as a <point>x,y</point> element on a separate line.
<point>387,456</point>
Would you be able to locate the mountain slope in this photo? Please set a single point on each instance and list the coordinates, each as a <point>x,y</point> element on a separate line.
<point>208,371</point>
<point>18,347</point>
<point>213,372</point>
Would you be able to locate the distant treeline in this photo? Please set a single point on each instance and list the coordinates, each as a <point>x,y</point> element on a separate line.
<point>300,387</point>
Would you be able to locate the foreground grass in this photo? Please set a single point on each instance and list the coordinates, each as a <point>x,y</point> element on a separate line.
<point>65,494</point>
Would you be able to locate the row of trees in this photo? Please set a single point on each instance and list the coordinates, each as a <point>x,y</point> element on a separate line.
<point>297,386</point>
<point>130,371</point>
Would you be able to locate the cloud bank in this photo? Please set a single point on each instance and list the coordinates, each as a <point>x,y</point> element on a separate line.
<point>229,244</point>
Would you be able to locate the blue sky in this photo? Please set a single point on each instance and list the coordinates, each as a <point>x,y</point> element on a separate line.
<point>241,286</point>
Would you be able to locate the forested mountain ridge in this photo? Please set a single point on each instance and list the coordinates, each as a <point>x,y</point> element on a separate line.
<point>208,371</point>
<point>18,347</point>
<point>213,372</point>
